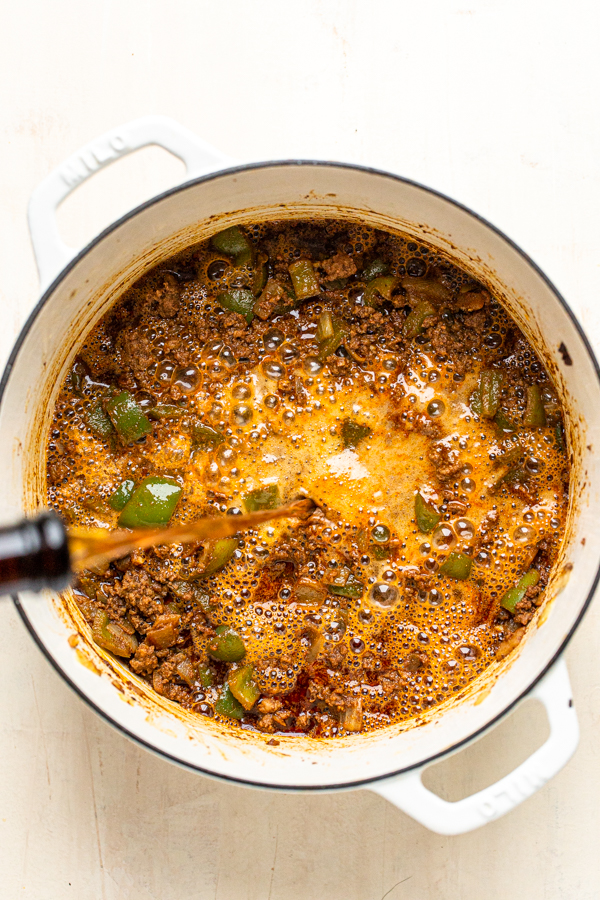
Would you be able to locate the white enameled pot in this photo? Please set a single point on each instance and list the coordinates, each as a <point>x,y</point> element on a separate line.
<point>77,290</point>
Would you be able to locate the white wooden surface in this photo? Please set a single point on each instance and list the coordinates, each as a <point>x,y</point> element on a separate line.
<point>494,102</point>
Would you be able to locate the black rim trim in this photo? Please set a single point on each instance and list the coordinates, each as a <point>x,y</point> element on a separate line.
<point>366,782</point>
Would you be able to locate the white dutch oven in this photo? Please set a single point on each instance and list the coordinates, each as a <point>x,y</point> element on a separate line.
<point>79,288</point>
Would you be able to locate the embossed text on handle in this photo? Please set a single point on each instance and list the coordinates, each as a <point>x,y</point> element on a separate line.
<point>89,161</point>
<point>520,788</point>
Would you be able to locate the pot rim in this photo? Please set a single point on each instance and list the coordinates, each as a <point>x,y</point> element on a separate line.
<point>293,788</point>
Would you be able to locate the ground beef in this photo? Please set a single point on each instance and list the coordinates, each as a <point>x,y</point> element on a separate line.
<point>301,547</point>
<point>390,680</point>
<point>490,521</point>
<point>318,693</point>
<point>408,420</point>
<point>144,662</point>
<point>97,357</point>
<point>304,720</point>
<point>452,341</point>
<point>335,655</point>
<point>136,350</point>
<point>313,241</point>
<point>445,460</point>
<point>142,592</point>
<point>485,532</point>
<point>58,469</point>
<point>269,705</point>
<point>279,721</point>
<point>509,643</point>
<point>162,685</point>
<point>167,297</point>
<point>470,301</point>
<point>235,325</point>
<point>534,595</point>
<point>339,266</point>
<point>265,307</point>
<point>162,300</point>
<point>275,678</point>
<point>477,325</point>
<point>524,612</point>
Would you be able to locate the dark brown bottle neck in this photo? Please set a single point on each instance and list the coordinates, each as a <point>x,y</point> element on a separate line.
<point>34,554</point>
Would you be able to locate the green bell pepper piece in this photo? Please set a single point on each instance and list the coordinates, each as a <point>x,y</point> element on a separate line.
<point>426,515</point>
<point>242,686</point>
<point>281,294</point>
<point>381,287</point>
<point>330,335</point>
<point>346,585</point>
<point>259,277</point>
<point>205,676</point>
<point>227,645</point>
<point>379,552</point>
<point>375,269</point>
<point>233,242</point>
<point>122,494</point>
<point>515,595</point>
<point>353,433</point>
<point>111,636</point>
<point>336,284</point>
<point>218,554</point>
<point>353,591</point>
<point>127,416</point>
<point>152,503</point>
<point>88,584</point>
<point>475,402</point>
<point>516,475</point>
<point>227,705</point>
<point>166,411</point>
<point>413,324</point>
<point>180,589</point>
<point>267,497</point>
<point>328,347</point>
<point>99,422</point>
<point>503,424</point>
<point>239,300</point>
<point>457,565</point>
<point>325,329</point>
<point>304,279</point>
<point>203,600</point>
<point>535,414</point>
<point>511,458</point>
<point>490,386</point>
<point>559,435</point>
<point>205,438</point>
<point>76,377</point>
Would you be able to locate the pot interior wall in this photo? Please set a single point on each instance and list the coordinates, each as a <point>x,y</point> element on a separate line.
<point>191,213</point>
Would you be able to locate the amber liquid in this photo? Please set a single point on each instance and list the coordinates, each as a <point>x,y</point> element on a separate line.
<point>94,546</point>
<point>41,553</point>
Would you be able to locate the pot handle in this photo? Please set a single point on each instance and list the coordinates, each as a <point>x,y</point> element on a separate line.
<point>409,794</point>
<point>51,253</point>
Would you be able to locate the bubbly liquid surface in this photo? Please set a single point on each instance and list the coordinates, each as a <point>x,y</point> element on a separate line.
<point>412,636</point>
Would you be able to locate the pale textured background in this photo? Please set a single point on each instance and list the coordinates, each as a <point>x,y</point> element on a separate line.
<point>494,102</point>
